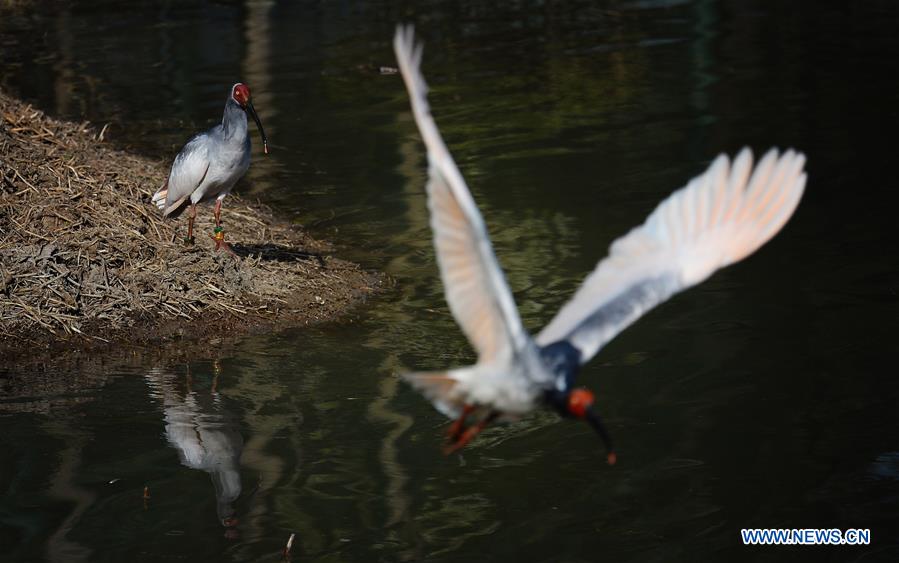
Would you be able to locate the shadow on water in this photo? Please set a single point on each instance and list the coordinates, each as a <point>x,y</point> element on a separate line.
<point>764,397</point>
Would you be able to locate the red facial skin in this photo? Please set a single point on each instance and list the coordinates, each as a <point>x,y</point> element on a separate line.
<point>241,94</point>
<point>579,401</point>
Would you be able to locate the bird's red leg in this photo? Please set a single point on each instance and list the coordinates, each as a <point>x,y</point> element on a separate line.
<point>218,213</point>
<point>219,236</point>
<point>470,433</point>
<point>192,214</point>
<point>458,425</point>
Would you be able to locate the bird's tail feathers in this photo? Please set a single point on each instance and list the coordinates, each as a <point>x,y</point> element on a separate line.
<point>440,388</point>
<point>175,209</point>
<point>160,196</point>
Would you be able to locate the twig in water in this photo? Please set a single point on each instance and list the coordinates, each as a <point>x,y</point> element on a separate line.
<point>288,547</point>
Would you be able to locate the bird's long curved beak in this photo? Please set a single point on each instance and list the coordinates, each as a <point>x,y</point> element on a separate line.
<point>596,422</point>
<point>252,111</point>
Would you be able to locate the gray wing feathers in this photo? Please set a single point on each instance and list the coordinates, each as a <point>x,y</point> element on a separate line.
<point>188,172</point>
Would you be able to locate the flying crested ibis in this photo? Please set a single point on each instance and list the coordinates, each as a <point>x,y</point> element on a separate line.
<point>718,218</point>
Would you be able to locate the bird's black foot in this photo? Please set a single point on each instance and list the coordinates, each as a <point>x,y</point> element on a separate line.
<point>189,241</point>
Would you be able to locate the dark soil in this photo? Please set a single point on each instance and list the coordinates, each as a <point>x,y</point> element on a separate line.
<point>86,260</point>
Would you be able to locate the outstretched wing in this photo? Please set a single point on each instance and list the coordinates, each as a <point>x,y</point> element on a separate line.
<point>719,218</point>
<point>475,287</point>
<point>188,172</point>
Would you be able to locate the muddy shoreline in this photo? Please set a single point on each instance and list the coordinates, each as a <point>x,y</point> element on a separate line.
<point>88,264</point>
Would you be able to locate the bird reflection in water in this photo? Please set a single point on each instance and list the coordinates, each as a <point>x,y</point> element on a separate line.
<point>204,434</point>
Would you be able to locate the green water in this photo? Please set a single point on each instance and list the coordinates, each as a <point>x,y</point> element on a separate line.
<point>766,397</point>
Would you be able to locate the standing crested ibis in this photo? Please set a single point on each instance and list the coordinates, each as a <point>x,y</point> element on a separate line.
<point>210,164</point>
<point>718,218</point>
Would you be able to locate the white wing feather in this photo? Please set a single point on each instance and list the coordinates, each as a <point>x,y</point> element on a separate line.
<point>475,287</point>
<point>719,218</point>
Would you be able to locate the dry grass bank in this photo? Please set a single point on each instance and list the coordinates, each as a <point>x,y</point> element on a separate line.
<point>86,259</point>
